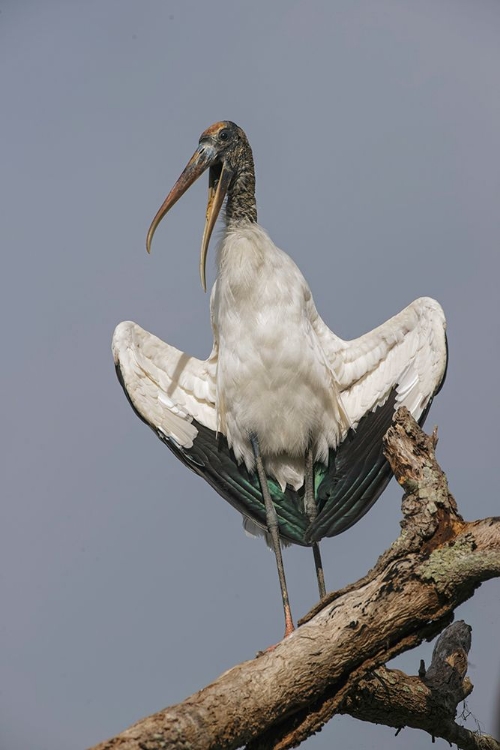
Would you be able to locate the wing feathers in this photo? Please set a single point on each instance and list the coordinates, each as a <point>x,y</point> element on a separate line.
<point>166,387</point>
<point>408,352</point>
<point>402,362</point>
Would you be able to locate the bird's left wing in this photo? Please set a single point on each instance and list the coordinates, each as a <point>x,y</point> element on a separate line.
<point>400,363</point>
<point>407,353</point>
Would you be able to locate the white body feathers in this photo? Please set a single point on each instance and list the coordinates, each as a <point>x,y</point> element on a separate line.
<point>276,370</point>
<point>273,377</point>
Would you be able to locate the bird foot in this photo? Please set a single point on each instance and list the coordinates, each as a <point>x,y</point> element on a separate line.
<point>289,629</point>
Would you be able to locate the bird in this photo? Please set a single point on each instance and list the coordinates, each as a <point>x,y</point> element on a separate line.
<point>284,419</point>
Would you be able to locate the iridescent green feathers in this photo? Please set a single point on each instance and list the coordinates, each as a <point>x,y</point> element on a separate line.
<point>356,475</point>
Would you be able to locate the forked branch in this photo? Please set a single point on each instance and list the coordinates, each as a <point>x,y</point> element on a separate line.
<point>333,663</point>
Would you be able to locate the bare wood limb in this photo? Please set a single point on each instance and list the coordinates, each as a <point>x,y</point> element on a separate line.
<point>335,657</point>
<point>430,702</point>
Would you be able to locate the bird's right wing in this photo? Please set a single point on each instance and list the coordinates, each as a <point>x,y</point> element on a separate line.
<point>167,388</point>
<point>174,394</point>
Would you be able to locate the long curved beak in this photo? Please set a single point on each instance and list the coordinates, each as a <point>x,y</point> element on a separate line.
<point>219,179</point>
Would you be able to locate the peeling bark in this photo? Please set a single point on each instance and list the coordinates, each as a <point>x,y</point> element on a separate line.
<point>333,663</point>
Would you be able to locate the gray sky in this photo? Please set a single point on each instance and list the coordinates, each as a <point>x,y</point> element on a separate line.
<point>127,583</point>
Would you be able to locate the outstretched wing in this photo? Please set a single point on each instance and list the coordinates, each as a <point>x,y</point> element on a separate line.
<point>407,352</point>
<point>174,394</point>
<point>167,388</point>
<point>400,363</point>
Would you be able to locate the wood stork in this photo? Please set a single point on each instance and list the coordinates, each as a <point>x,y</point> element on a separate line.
<point>284,419</point>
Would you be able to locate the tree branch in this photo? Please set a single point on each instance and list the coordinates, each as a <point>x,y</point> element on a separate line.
<point>333,662</point>
<point>427,702</point>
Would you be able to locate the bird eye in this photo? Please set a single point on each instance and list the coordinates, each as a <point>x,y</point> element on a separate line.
<point>223,135</point>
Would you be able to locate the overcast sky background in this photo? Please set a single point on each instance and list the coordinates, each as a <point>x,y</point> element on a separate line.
<point>126,582</point>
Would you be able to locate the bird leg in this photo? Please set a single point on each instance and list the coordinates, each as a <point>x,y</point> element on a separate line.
<point>272,526</point>
<point>311,510</point>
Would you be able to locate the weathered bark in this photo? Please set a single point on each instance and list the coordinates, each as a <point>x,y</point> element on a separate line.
<point>427,702</point>
<point>333,663</point>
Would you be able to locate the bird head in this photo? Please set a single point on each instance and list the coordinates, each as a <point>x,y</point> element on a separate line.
<point>220,149</point>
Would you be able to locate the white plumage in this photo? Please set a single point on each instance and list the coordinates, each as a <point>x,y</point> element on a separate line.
<point>276,369</point>
<point>284,419</point>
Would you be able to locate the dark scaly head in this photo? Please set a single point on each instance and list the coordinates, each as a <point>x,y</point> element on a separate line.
<point>224,150</point>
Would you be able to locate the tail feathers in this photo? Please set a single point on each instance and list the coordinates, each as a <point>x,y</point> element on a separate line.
<point>253,530</point>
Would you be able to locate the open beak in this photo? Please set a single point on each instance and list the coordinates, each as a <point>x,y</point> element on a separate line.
<point>219,178</point>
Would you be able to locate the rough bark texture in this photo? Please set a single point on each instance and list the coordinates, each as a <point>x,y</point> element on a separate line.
<point>333,663</point>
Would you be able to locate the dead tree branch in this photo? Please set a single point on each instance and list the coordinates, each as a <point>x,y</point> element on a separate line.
<point>333,663</point>
<point>427,702</point>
